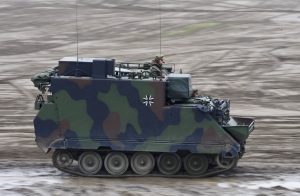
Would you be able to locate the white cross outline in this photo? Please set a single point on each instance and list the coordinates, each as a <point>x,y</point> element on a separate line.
<point>148,100</point>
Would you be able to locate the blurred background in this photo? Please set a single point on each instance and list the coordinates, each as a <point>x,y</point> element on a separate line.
<point>244,50</point>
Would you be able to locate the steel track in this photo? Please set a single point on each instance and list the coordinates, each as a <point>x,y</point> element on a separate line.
<point>103,174</point>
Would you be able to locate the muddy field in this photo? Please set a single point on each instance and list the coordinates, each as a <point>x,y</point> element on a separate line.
<point>246,50</point>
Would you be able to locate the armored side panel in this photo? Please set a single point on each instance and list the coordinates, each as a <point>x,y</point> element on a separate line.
<point>47,126</point>
<point>128,115</point>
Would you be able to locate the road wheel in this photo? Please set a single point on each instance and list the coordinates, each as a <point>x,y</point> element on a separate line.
<point>195,164</point>
<point>226,163</point>
<point>116,163</point>
<point>142,163</point>
<point>169,163</point>
<point>62,158</point>
<point>90,162</point>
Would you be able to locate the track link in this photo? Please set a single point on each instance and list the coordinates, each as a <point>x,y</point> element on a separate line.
<point>74,170</point>
<point>103,174</point>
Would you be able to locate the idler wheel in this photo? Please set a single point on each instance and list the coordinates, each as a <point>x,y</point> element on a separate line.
<point>142,163</point>
<point>62,158</point>
<point>195,164</point>
<point>116,163</point>
<point>90,163</point>
<point>226,163</point>
<point>169,163</point>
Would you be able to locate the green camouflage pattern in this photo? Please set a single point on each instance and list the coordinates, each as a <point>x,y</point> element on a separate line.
<point>128,115</point>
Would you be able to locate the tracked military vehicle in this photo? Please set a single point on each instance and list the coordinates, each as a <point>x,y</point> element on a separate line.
<point>102,118</point>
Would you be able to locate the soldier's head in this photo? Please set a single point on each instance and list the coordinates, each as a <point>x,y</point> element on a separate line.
<point>159,60</point>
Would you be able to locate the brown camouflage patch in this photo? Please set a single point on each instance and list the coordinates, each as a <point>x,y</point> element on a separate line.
<point>62,67</point>
<point>112,125</point>
<point>210,135</point>
<point>81,83</point>
<point>64,125</point>
<point>159,100</point>
<point>58,132</point>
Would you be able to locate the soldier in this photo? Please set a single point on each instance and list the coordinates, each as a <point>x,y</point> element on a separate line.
<point>158,61</point>
<point>195,93</point>
<point>157,64</point>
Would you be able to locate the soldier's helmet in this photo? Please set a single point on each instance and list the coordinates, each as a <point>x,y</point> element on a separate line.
<point>158,60</point>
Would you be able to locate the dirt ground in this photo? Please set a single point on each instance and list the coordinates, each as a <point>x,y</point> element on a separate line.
<point>245,50</point>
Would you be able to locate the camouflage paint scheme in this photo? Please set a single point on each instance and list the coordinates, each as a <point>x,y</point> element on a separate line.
<point>127,115</point>
<point>88,114</point>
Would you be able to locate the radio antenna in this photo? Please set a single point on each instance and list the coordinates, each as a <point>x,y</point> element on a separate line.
<point>159,2</point>
<point>77,36</point>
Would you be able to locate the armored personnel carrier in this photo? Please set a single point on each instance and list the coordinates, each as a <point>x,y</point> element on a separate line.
<point>102,118</point>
